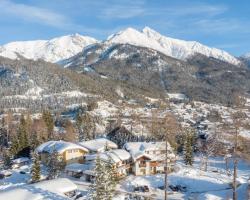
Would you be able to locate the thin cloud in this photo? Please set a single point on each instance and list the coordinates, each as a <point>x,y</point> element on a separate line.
<point>221,26</point>
<point>33,14</point>
<point>123,12</point>
<point>196,9</point>
<point>124,9</point>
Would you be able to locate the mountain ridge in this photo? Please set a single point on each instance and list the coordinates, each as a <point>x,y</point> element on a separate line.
<point>53,50</point>
<point>64,47</point>
<point>176,48</point>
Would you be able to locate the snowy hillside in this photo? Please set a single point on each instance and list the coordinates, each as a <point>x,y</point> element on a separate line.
<point>179,49</point>
<point>52,50</point>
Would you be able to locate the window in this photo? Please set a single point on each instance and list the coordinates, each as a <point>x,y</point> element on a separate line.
<point>73,151</point>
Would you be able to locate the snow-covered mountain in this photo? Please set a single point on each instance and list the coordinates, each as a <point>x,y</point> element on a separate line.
<point>64,47</point>
<point>179,49</point>
<point>246,56</point>
<point>53,50</point>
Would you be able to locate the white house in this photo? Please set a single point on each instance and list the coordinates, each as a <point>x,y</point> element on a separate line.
<point>98,145</point>
<point>148,157</point>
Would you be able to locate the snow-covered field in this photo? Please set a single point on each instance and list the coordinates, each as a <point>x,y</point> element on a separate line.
<point>211,185</point>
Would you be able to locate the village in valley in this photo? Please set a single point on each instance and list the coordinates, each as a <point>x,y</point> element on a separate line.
<point>152,156</point>
<point>124,100</point>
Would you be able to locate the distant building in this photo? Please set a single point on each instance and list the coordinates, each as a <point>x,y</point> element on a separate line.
<point>149,157</point>
<point>98,145</point>
<point>69,152</point>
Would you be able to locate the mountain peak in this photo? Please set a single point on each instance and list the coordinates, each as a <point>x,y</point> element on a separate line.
<point>149,31</point>
<point>60,48</point>
<point>53,50</point>
<point>128,32</point>
<point>176,48</point>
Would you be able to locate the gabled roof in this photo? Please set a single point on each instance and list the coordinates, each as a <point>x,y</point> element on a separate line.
<point>121,154</point>
<point>59,146</point>
<point>139,149</point>
<point>98,145</point>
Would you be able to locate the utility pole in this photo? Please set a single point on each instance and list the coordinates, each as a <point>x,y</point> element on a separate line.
<point>235,163</point>
<point>237,117</point>
<point>166,169</point>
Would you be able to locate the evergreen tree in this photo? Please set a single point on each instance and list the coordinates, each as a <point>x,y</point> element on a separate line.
<point>6,159</point>
<point>14,146</point>
<point>79,125</point>
<point>188,148</point>
<point>22,134</point>
<point>49,121</point>
<point>55,165</point>
<point>97,188</point>
<point>104,185</point>
<point>36,169</point>
<point>34,142</point>
<point>86,126</point>
<point>111,179</point>
<point>20,142</point>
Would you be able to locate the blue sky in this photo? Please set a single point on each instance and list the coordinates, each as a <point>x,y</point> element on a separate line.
<point>223,24</point>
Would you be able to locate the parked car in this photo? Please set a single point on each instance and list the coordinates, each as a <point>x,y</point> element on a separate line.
<point>146,188</point>
<point>178,188</point>
<point>143,188</point>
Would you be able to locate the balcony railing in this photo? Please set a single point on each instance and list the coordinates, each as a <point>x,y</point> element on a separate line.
<point>142,165</point>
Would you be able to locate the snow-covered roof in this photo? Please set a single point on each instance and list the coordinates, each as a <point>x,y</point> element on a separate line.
<point>121,154</point>
<point>77,167</point>
<point>60,185</point>
<point>98,145</point>
<point>145,146</point>
<point>89,172</point>
<point>21,160</point>
<point>46,190</point>
<point>114,156</point>
<point>22,193</point>
<point>105,156</point>
<point>139,149</point>
<point>59,146</point>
